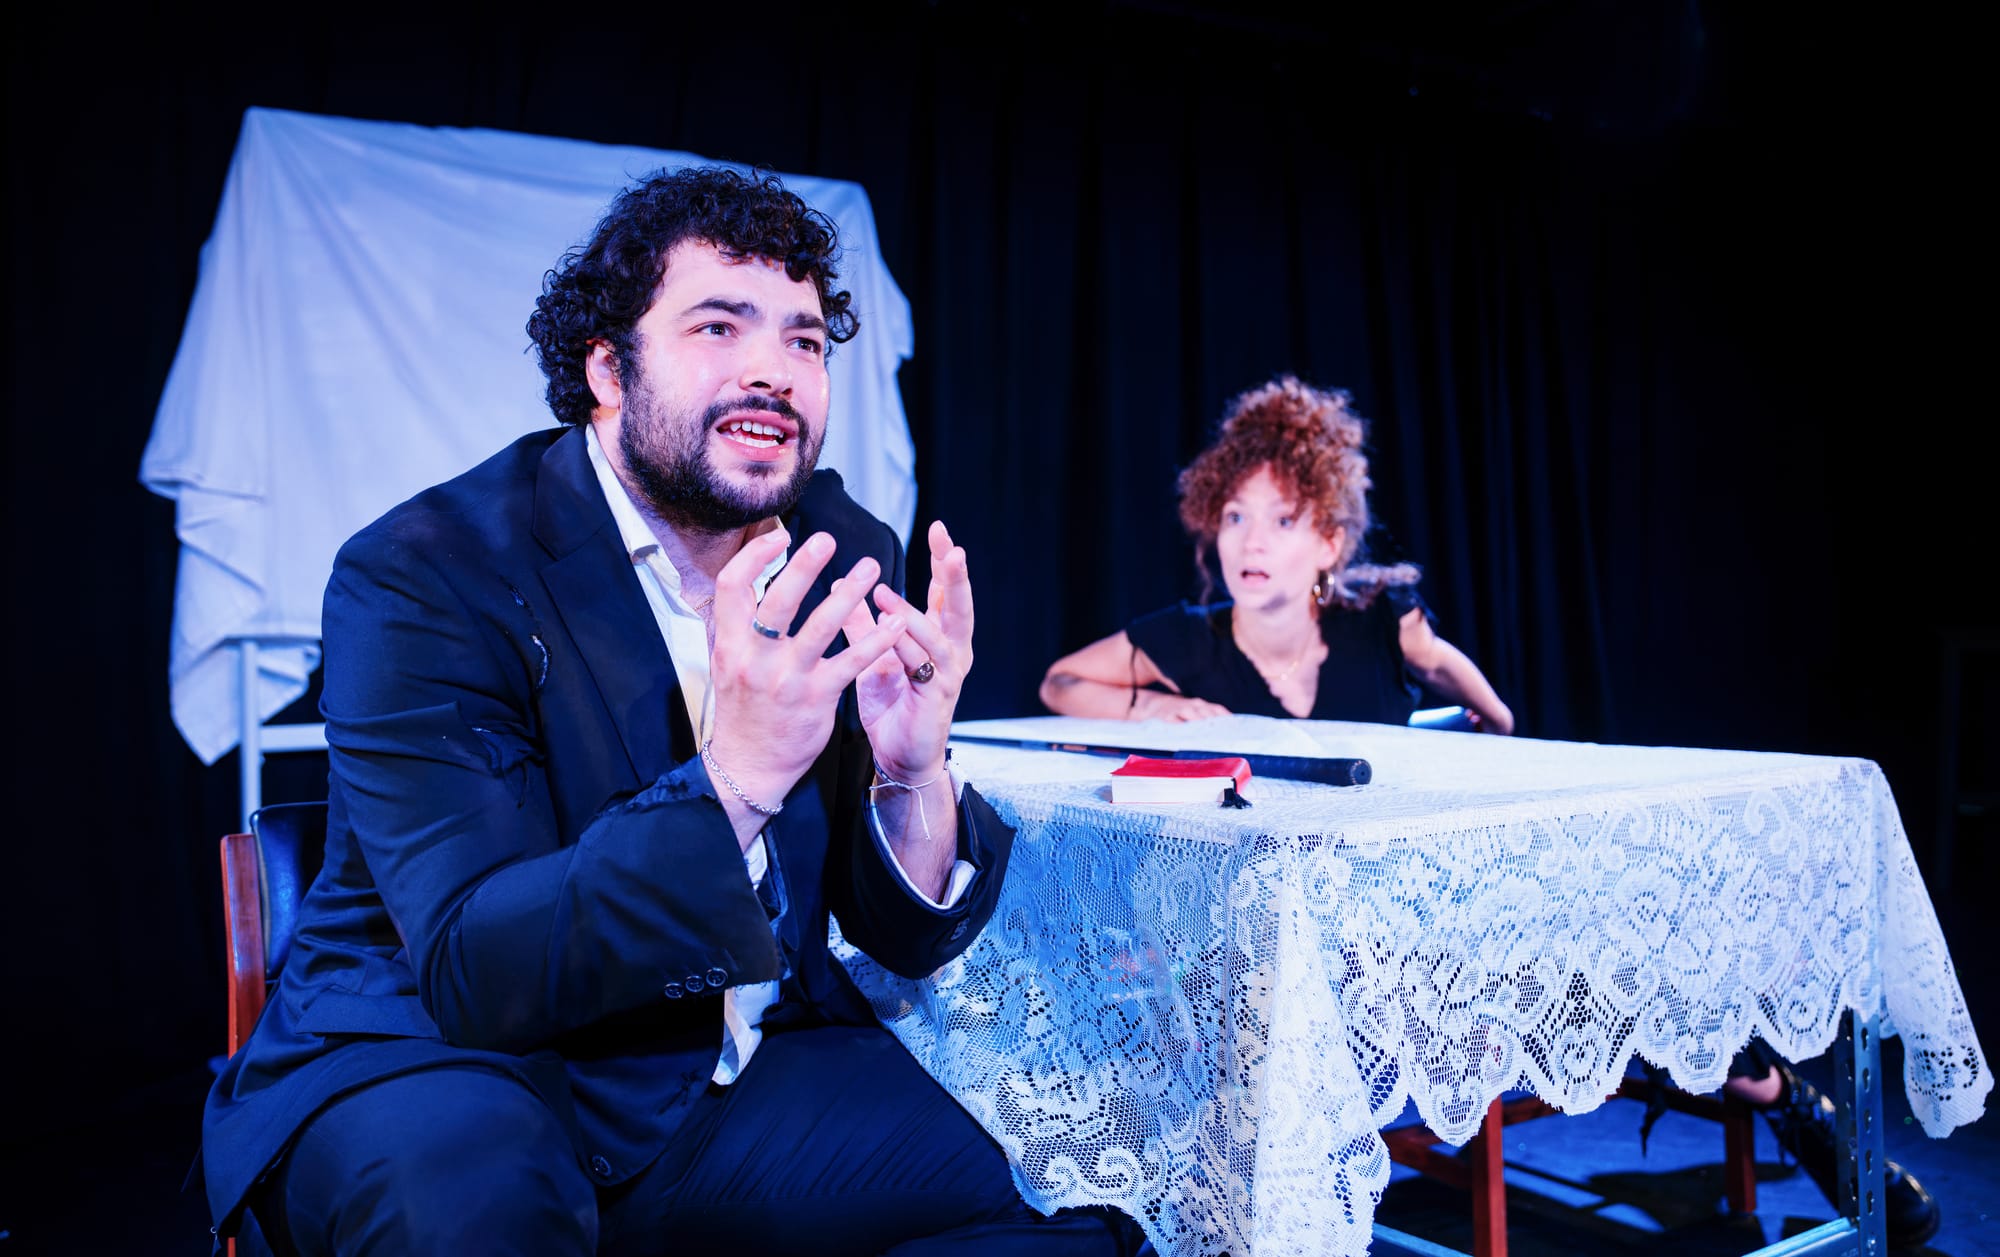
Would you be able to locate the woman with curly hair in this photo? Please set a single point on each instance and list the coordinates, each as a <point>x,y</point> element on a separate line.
<point>1310,629</point>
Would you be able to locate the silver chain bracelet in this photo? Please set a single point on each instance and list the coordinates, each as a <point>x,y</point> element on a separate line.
<point>735,789</point>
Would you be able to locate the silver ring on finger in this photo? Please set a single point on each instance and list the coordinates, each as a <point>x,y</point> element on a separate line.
<point>923,672</point>
<point>765,629</point>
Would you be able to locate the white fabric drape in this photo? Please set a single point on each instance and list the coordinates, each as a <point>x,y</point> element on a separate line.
<point>357,333</point>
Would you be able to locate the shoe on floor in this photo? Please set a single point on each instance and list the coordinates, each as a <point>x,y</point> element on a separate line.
<point>1802,1120</point>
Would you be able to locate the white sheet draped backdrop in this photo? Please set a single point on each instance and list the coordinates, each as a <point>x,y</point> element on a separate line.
<point>1203,1015</point>
<point>357,333</point>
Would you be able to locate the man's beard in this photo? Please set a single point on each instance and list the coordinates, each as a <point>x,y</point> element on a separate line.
<point>667,455</point>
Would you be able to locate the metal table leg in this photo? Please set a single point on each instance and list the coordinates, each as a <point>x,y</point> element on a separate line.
<point>1857,1099</point>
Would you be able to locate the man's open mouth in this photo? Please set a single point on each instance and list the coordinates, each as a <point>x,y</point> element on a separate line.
<point>755,433</point>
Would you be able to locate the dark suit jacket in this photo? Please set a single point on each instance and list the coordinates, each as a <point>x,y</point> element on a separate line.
<point>526,864</point>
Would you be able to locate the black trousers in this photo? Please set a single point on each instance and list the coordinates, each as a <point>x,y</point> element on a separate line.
<point>834,1141</point>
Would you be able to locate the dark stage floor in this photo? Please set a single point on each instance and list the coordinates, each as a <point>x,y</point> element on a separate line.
<point>1577,1186</point>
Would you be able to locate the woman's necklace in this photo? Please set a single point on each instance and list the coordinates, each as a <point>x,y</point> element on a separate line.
<point>1276,678</point>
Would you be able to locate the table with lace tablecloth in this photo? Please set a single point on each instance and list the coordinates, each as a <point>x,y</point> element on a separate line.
<point>1203,1015</point>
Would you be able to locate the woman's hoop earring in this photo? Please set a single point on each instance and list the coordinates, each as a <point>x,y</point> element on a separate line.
<point>1323,589</point>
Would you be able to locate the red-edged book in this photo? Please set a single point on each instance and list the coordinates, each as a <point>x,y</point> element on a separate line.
<point>1144,779</point>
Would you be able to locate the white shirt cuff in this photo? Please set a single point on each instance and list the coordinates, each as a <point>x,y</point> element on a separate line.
<point>961,871</point>
<point>954,885</point>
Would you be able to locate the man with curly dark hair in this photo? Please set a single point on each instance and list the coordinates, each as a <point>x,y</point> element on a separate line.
<point>609,739</point>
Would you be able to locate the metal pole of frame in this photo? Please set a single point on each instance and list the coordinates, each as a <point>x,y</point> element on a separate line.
<point>1862,1227</point>
<point>258,740</point>
<point>250,744</point>
<point>1857,1086</point>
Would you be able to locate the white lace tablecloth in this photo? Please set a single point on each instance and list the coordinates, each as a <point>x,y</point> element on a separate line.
<point>1204,1015</point>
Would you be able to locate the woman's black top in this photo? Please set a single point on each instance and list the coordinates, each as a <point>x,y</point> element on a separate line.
<point>1363,677</point>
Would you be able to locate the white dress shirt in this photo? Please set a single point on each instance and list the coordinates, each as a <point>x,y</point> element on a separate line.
<point>686,634</point>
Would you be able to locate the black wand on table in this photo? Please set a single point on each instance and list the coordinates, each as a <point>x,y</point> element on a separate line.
<point>1326,770</point>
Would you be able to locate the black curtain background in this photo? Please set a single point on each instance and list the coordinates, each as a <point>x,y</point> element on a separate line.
<point>1649,305</point>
